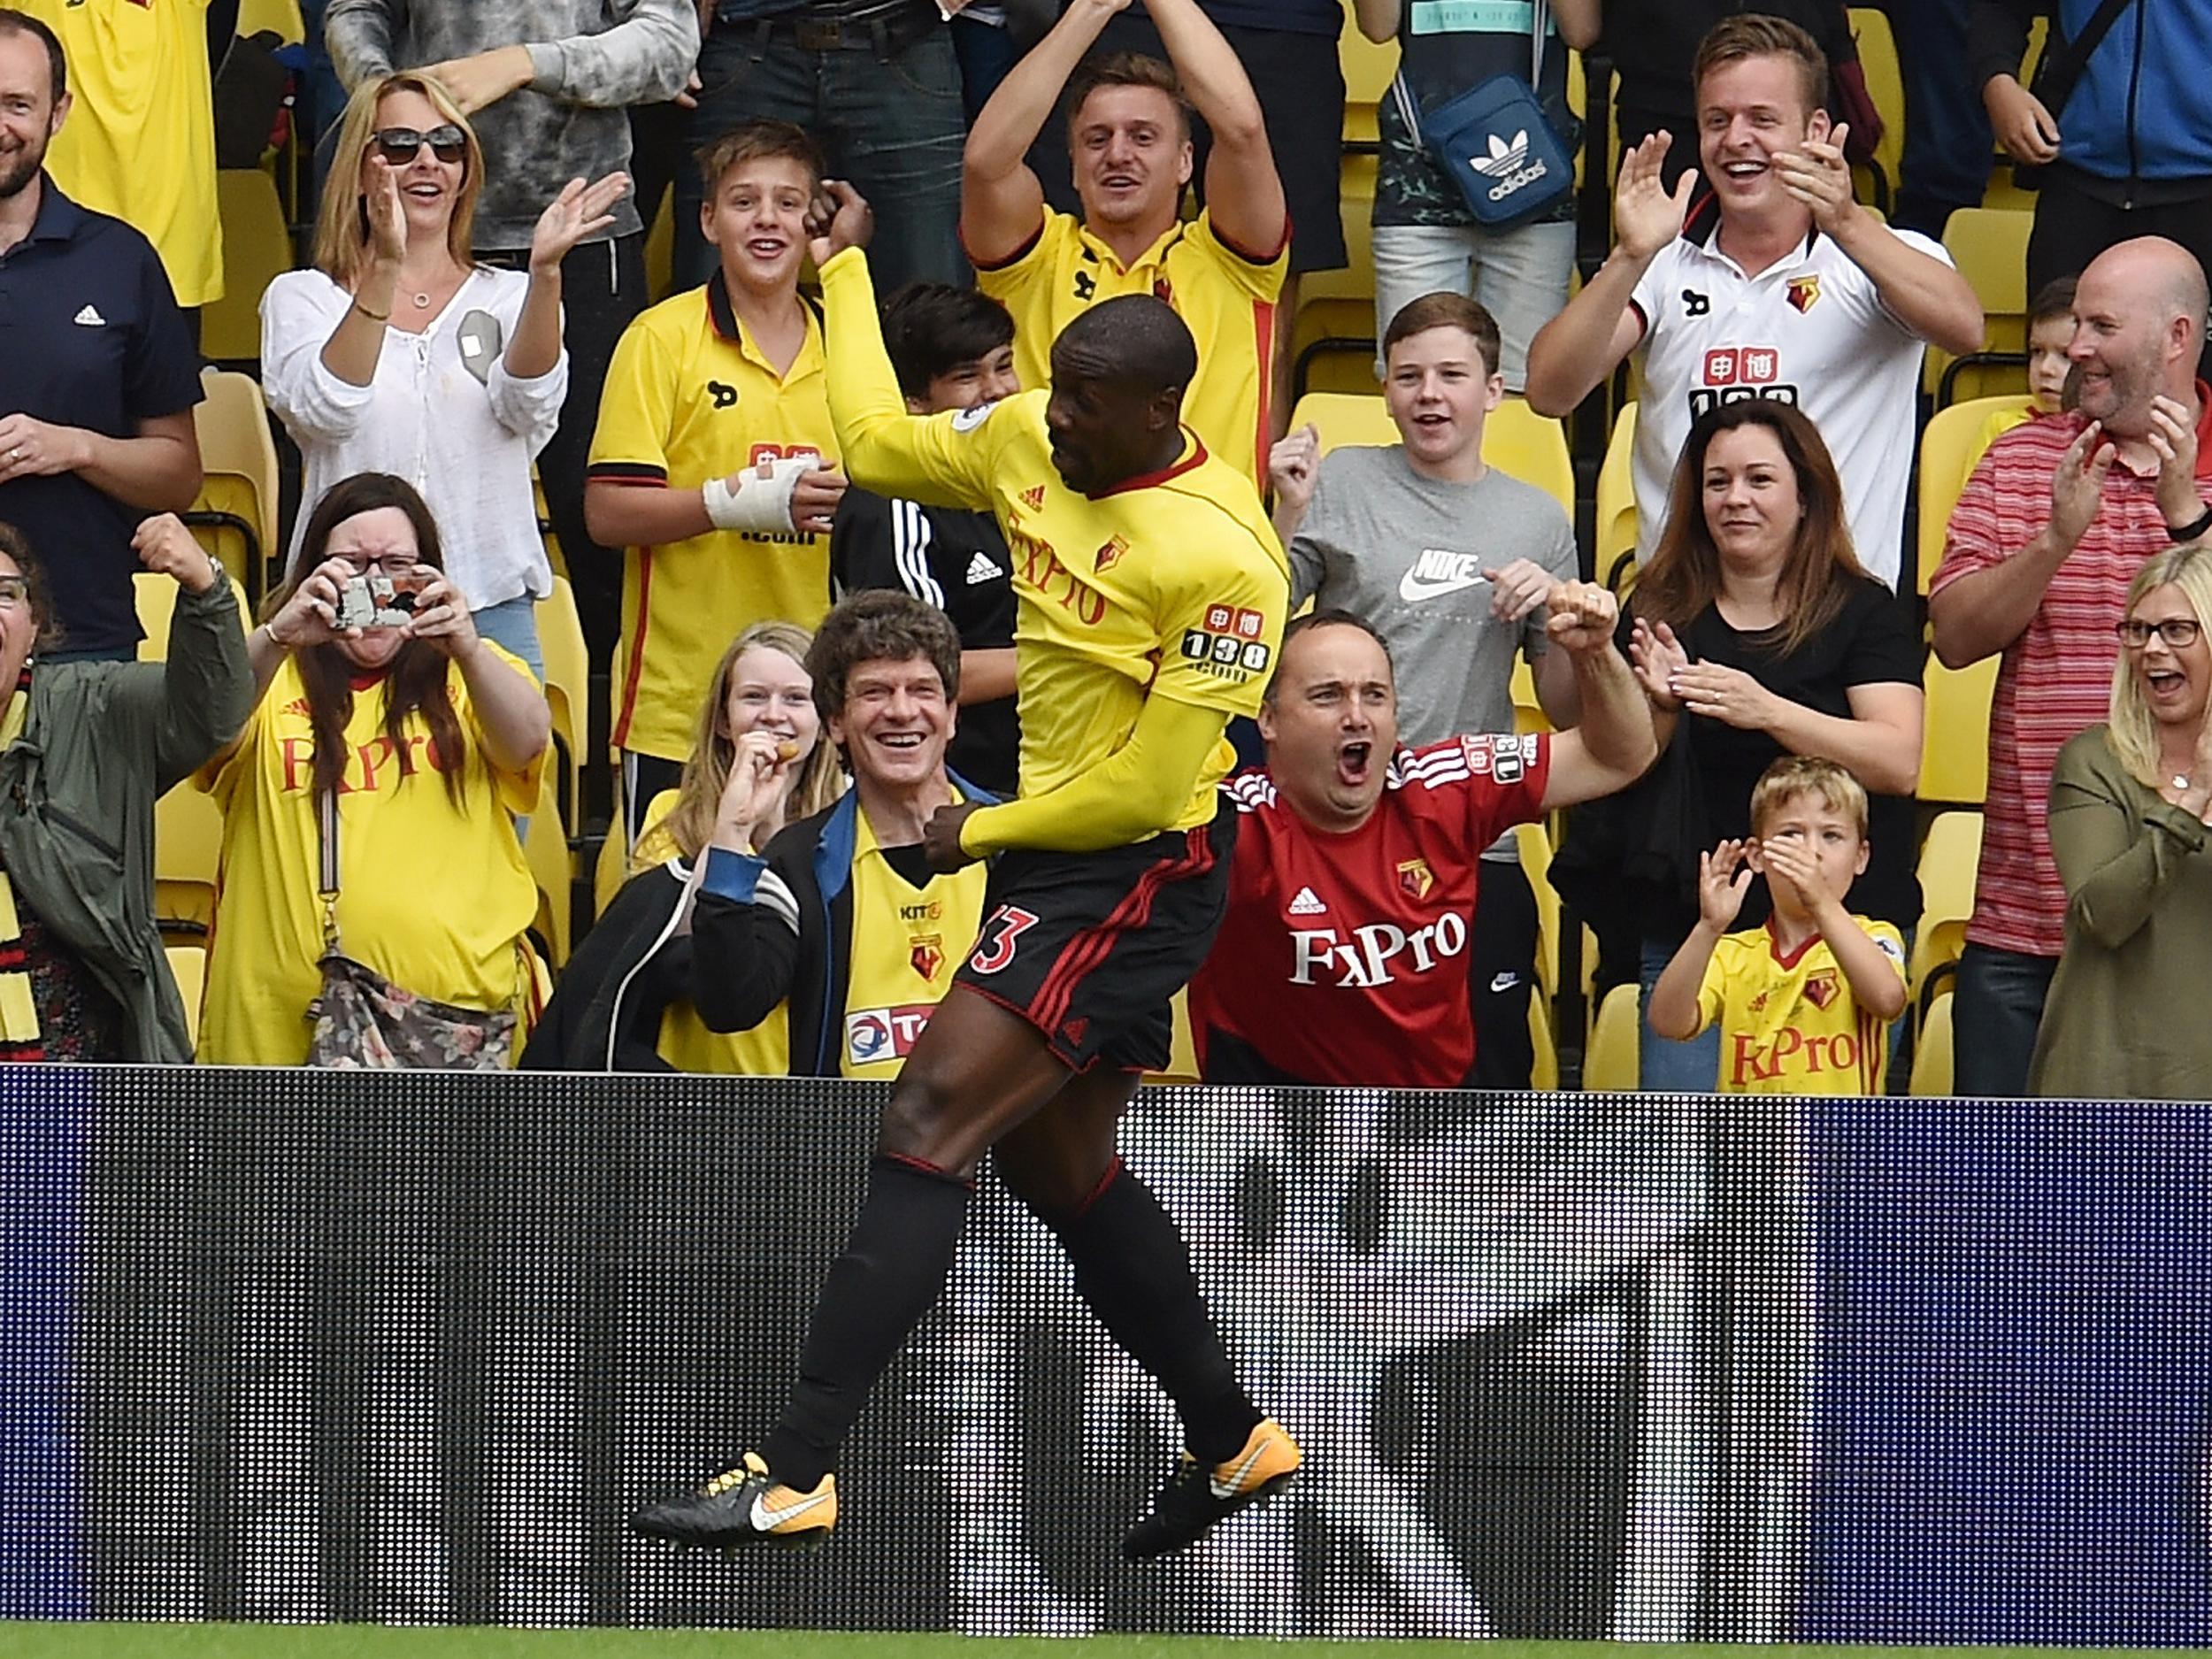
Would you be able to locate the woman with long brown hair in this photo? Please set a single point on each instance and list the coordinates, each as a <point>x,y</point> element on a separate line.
<point>398,352</point>
<point>1756,633</point>
<point>429,738</point>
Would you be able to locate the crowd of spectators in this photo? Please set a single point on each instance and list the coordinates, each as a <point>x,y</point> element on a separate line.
<point>804,661</point>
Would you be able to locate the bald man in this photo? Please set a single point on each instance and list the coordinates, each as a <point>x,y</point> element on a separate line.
<point>1152,596</point>
<point>2053,525</point>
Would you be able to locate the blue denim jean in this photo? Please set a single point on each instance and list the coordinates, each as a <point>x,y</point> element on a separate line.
<point>892,127</point>
<point>1995,1013</point>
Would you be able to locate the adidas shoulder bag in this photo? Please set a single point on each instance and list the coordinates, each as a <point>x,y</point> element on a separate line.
<point>1495,141</point>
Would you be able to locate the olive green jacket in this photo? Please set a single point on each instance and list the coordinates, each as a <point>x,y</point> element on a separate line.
<point>77,790</point>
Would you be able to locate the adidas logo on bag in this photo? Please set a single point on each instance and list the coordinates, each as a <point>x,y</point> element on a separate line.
<point>1506,162</point>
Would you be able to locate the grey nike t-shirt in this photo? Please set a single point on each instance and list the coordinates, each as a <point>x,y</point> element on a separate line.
<point>1401,552</point>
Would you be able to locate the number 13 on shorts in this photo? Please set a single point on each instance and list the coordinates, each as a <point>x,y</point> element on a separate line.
<point>994,947</point>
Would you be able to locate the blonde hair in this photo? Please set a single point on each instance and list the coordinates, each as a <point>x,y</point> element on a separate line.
<point>817,782</point>
<point>342,228</point>
<point>1793,775</point>
<point>2132,730</point>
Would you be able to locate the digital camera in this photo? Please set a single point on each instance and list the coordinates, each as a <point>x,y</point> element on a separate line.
<point>376,601</point>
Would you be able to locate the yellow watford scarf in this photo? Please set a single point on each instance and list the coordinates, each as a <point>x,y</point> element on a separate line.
<point>19,1038</point>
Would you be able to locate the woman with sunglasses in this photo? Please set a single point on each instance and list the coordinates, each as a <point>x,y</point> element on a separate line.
<point>398,353</point>
<point>2131,801</point>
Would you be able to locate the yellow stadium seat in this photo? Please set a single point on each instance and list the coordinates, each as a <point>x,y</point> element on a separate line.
<point>1182,1065</point>
<point>1954,749</point>
<point>1543,1072</point>
<point>1532,448</point>
<point>235,516</point>
<point>1885,84</point>
<point>1368,68</point>
<point>1989,247</point>
<point>1528,709</point>
<point>615,865</point>
<point>187,848</point>
<point>279,17</point>
<point>187,966</point>
<point>1948,859</point>
<point>1950,445</point>
<point>545,849</point>
<point>567,685</point>
<point>155,597</point>
<point>1616,502</point>
<point>257,250</point>
<point>1931,1053</point>
<point>1535,849</point>
<point>1609,1063</point>
<point>1345,418</point>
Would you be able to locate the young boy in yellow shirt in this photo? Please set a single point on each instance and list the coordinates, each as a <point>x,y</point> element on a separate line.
<point>1803,1003</point>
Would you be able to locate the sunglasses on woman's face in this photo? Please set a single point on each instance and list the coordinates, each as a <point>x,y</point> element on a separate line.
<point>399,145</point>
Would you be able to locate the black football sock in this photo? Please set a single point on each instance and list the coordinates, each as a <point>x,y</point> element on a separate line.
<point>1133,1269</point>
<point>891,1273</point>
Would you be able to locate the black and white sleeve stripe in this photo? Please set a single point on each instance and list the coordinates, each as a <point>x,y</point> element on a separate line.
<point>910,536</point>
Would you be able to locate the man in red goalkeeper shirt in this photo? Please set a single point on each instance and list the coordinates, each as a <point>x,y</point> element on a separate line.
<point>1343,957</point>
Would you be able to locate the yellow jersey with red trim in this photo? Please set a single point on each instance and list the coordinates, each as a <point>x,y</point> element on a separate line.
<point>1227,299</point>
<point>688,397</point>
<point>1173,585</point>
<point>434,896</point>
<point>141,146</point>
<point>906,941</point>
<point>1789,1024</point>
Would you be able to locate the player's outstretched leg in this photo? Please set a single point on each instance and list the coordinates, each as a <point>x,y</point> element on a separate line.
<point>1133,1270</point>
<point>975,1071</point>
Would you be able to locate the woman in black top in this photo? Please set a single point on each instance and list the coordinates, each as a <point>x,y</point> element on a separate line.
<point>1755,629</point>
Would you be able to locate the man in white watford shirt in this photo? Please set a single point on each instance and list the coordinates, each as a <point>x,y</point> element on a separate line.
<point>1773,283</point>
<point>1451,561</point>
<point>1343,956</point>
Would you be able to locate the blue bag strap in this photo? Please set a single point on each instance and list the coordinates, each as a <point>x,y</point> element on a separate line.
<point>1540,26</point>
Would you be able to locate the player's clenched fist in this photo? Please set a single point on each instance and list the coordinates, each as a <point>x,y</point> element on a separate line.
<point>1582,616</point>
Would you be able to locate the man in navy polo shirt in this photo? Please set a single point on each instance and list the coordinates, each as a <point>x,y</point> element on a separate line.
<point>100,376</point>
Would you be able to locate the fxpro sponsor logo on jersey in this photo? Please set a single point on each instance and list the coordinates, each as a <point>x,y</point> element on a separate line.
<point>874,1035</point>
<point>1229,645</point>
<point>1377,954</point>
<point>1509,164</point>
<point>1733,375</point>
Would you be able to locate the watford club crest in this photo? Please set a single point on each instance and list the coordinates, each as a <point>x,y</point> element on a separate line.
<point>1821,990</point>
<point>1415,876</point>
<point>1803,292</point>
<point>1111,551</point>
<point>927,956</point>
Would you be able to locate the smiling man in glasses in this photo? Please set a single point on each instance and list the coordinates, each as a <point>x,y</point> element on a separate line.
<point>2053,525</point>
<point>96,406</point>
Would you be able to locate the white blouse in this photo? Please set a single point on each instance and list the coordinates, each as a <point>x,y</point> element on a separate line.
<point>465,443</point>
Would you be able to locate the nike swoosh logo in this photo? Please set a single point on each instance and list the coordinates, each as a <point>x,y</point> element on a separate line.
<point>1226,1489</point>
<point>767,1520</point>
<point>1413,587</point>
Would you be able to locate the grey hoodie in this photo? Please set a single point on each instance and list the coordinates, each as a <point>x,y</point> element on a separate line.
<point>594,58</point>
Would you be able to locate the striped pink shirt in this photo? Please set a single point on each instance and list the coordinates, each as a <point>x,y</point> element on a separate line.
<point>2056,678</point>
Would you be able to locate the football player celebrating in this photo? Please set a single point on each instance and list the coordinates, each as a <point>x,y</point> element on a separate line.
<point>1152,594</point>
<point>1343,959</point>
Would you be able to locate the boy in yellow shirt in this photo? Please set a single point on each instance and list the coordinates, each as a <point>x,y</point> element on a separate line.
<point>1804,1002</point>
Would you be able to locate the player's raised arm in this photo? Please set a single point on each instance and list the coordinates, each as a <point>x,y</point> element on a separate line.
<point>944,460</point>
<point>1614,743</point>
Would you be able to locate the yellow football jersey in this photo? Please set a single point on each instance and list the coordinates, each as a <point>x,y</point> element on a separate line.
<point>686,1042</point>
<point>1789,1024</point>
<point>1227,300</point>
<point>140,144</point>
<point>689,397</point>
<point>906,941</point>
<point>1171,586</point>
<point>431,895</point>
